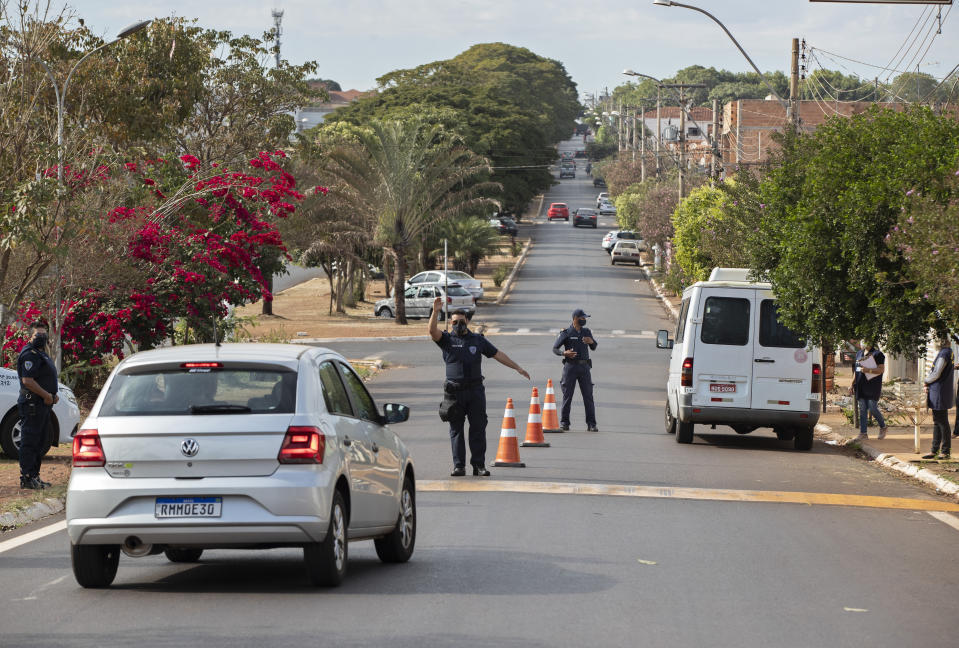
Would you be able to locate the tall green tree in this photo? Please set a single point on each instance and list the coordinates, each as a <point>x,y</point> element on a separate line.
<point>405,177</point>
<point>469,240</point>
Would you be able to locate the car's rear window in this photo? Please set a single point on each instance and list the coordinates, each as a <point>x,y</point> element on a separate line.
<point>459,275</point>
<point>586,212</point>
<point>172,392</point>
<point>772,332</point>
<point>458,291</point>
<point>559,205</point>
<point>627,235</point>
<point>626,244</point>
<point>726,321</point>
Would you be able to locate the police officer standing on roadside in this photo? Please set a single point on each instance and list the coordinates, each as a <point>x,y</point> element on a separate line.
<point>463,352</point>
<point>38,394</point>
<point>576,342</point>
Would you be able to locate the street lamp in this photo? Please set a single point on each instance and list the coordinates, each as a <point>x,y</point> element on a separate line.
<point>670,3</point>
<point>61,96</point>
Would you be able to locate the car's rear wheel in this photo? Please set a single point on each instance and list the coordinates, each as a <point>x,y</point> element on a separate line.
<point>182,555</point>
<point>95,566</point>
<point>385,313</point>
<point>684,432</point>
<point>326,561</point>
<point>11,435</point>
<point>803,439</point>
<point>670,421</point>
<point>397,547</point>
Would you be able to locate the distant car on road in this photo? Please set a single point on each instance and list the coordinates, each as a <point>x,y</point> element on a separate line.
<point>624,252</point>
<point>505,226</point>
<point>607,209</point>
<point>238,446</point>
<point>580,153</point>
<point>599,182</point>
<point>419,301</point>
<point>558,210</point>
<point>474,286</point>
<point>64,418</point>
<point>616,235</point>
<point>584,216</point>
<point>567,170</point>
<point>601,198</point>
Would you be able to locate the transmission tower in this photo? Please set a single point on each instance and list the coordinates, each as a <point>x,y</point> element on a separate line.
<point>278,23</point>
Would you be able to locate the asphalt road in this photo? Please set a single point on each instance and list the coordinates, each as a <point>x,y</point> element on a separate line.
<point>673,567</point>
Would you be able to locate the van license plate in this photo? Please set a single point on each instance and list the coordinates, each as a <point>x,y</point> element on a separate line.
<point>722,388</point>
<point>188,507</point>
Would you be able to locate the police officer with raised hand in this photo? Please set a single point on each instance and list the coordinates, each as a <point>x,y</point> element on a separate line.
<point>574,344</point>
<point>463,352</point>
<point>38,394</point>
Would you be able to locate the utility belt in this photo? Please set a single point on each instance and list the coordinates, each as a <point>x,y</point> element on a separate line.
<point>26,394</point>
<point>452,386</point>
<point>575,361</point>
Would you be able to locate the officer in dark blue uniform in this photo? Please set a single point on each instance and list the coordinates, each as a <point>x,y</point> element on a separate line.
<point>463,353</point>
<point>38,394</point>
<point>576,342</point>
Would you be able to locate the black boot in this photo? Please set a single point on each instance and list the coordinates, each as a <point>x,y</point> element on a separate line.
<point>458,471</point>
<point>480,471</point>
<point>30,483</point>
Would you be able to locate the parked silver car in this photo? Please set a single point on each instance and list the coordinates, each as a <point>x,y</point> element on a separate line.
<point>250,446</point>
<point>474,286</point>
<point>419,301</point>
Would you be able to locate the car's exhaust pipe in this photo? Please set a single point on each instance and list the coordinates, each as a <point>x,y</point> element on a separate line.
<point>136,548</point>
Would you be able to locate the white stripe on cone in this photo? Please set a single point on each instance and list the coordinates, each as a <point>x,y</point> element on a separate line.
<point>535,418</point>
<point>549,406</point>
<point>508,432</point>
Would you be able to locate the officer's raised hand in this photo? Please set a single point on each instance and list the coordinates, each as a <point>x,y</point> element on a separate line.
<point>437,304</point>
<point>569,353</point>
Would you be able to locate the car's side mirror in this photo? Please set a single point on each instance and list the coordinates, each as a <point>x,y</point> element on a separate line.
<point>396,413</point>
<point>662,340</point>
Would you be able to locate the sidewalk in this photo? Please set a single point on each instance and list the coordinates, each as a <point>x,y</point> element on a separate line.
<point>895,452</point>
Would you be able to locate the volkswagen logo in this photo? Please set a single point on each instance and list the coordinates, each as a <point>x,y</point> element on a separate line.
<point>189,447</point>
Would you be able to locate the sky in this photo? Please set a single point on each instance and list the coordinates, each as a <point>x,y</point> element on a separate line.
<point>356,41</point>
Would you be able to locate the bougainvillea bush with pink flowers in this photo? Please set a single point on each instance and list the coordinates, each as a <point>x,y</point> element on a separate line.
<point>191,242</point>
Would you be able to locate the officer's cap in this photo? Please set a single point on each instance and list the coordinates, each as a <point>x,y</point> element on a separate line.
<point>579,312</point>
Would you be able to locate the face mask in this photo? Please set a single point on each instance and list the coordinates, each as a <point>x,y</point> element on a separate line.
<point>581,321</point>
<point>459,327</point>
<point>40,340</point>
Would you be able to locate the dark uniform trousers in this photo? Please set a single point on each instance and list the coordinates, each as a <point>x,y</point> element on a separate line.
<point>34,415</point>
<point>574,372</point>
<point>472,400</point>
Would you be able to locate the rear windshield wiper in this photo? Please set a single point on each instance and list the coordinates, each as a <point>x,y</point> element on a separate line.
<point>224,408</point>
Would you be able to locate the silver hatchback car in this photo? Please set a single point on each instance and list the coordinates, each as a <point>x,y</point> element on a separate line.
<point>238,446</point>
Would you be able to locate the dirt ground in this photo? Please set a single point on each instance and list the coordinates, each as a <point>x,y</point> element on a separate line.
<point>303,310</point>
<point>55,469</point>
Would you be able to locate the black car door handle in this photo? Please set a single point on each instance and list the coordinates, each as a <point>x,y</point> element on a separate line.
<point>764,360</point>
<point>346,441</point>
<point>374,447</point>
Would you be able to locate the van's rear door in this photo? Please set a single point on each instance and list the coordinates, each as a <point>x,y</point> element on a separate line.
<point>782,366</point>
<point>722,365</point>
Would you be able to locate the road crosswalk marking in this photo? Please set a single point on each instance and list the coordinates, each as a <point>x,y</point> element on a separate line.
<point>935,507</point>
<point>617,333</point>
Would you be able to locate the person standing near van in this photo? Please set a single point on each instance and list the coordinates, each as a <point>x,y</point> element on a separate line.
<point>38,395</point>
<point>576,342</point>
<point>867,387</point>
<point>940,398</point>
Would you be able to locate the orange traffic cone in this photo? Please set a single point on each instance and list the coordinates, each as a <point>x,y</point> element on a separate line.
<point>508,453</point>
<point>550,418</point>
<point>534,424</point>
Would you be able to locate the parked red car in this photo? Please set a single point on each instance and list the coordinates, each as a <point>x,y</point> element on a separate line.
<point>558,210</point>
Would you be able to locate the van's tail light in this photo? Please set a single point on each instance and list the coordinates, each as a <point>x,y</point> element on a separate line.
<point>449,300</point>
<point>87,450</point>
<point>686,379</point>
<point>301,445</point>
<point>816,378</point>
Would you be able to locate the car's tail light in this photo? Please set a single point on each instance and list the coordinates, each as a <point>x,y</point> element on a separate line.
<point>201,365</point>
<point>686,379</point>
<point>449,300</point>
<point>302,445</point>
<point>87,450</point>
<point>816,378</point>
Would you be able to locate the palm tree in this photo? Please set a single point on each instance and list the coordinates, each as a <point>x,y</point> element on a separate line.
<point>406,176</point>
<point>469,240</point>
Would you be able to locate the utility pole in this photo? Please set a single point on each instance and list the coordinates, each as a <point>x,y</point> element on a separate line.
<point>794,84</point>
<point>633,123</point>
<point>714,171</point>
<point>659,124</point>
<point>267,308</point>
<point>642,142</point>
<point>682,131</point>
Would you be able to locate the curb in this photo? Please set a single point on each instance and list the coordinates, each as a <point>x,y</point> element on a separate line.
<point>673,313</point>
<point>891,461</point>
<point>34,512</point>
<point>504,292</point>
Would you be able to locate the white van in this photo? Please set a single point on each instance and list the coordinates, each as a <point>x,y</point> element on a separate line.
<point>733,363</point>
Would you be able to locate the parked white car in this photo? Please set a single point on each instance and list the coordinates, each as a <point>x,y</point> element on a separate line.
<point>474,286</point>
<point>199,447</point>
<point>601,198</point>
<point>624,252</point>
<point>419,301</point>
<point>64,419</point>
<point>734,363</point>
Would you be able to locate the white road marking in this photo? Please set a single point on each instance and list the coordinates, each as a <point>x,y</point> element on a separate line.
<point>645,562</point>
<point>946,518</point>
<point>492,330</point>
<point>619,332</point>
<point>19,541</point>
<point>522,331</point>
<point>849,609</point>
<point>33,595</point>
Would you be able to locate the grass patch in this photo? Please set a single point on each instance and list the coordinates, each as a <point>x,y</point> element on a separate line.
<point>21,504</point>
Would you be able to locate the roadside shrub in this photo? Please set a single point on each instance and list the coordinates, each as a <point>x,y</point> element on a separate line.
<point>500,274</point>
